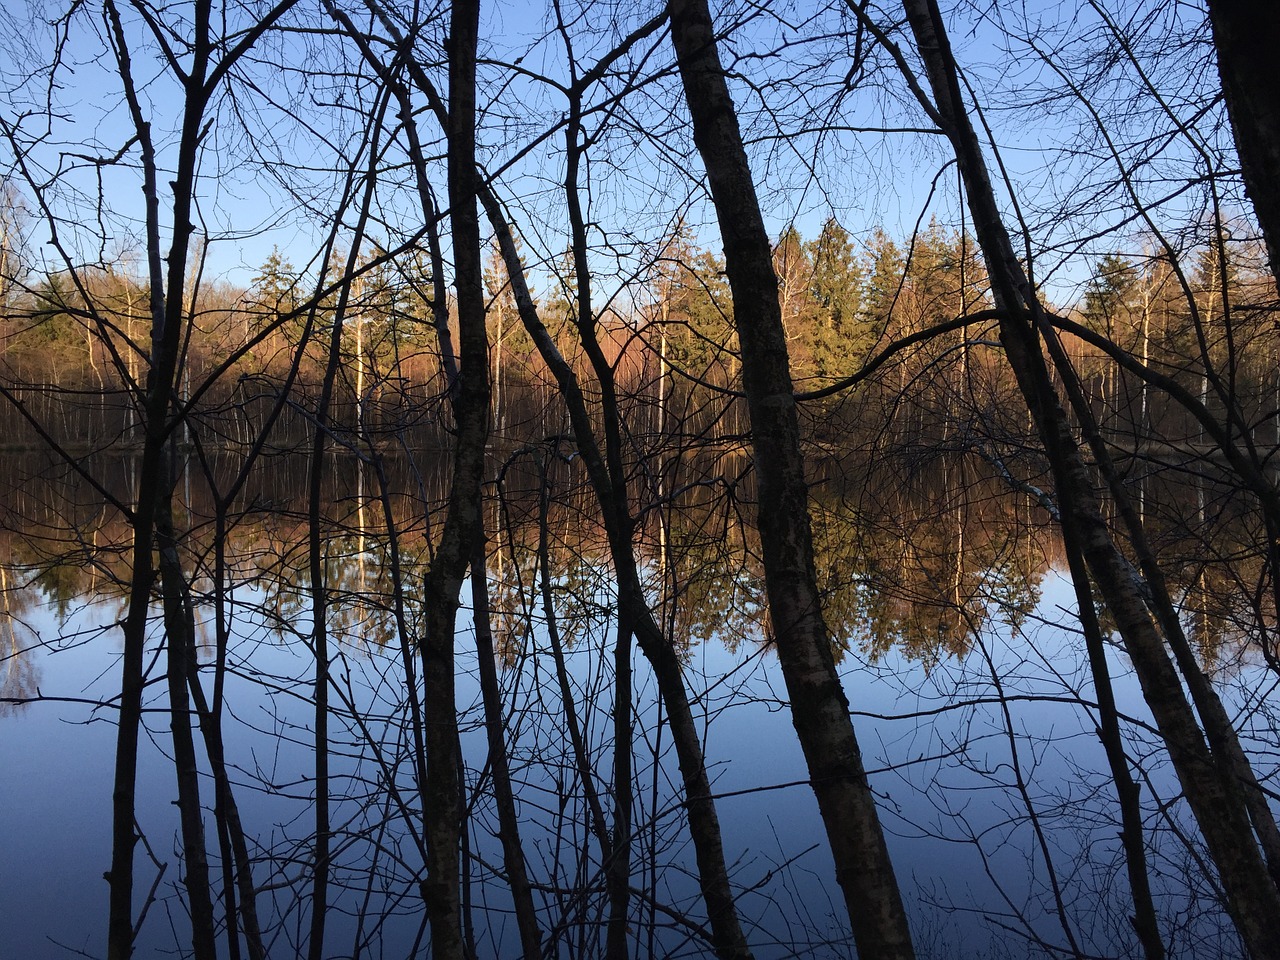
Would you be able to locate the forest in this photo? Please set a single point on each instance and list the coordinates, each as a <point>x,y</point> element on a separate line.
<point>596,480</point>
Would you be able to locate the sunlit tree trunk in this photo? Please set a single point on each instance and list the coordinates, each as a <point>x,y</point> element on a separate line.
<point>318,556</point>
<point>359,323</point>
<point>819,708</point>
<point>501,313</point>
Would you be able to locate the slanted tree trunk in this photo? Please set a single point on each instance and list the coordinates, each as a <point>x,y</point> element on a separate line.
<point>1246,34</point>
<point>504,796</point>
<point>1209,782</point>
<point>704,824</point>
<point>819,708</point>
<point>1143,919</point>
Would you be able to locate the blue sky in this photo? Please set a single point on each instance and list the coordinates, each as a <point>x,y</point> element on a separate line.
<point>296,112</point>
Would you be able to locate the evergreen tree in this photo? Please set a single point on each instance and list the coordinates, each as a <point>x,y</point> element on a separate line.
<point>882,290</point>
<point>842,335</point>
<point>694,308</point>
<point>1111,293</point>
<point>272,297</point>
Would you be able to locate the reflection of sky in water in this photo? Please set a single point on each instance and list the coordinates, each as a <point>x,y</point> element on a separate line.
<point>57,761</point>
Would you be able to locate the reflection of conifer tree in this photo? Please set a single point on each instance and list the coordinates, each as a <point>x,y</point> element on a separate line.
<point>923,577</point>
<point>717,589</point>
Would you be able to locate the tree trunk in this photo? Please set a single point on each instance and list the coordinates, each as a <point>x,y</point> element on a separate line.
<point>1209,783</point>
<point>179,628</point>
<point>1246,34</point>
<point>443,814</point>
<point>819,708</point>
<point>509,824</point>
<point>618,865</point>
<point>1144,920</point>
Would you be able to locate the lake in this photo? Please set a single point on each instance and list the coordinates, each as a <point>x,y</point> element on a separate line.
<point>976,721</point>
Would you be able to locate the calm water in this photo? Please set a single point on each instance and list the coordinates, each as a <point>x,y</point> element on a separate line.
<point>958,825</point>
<point>973,710</point>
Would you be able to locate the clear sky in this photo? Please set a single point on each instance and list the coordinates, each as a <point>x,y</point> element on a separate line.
<point>831,125</point>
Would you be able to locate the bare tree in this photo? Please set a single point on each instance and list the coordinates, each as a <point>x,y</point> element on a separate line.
<point>1211,784</point>
<point>463,522</point>
<point>168,299</point>
<point>819,707</point>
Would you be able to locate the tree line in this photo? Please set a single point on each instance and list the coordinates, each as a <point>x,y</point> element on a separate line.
<point>675,347</point>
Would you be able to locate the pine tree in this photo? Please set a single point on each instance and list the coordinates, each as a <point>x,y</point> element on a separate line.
<point>695,309</point>
<point>1111,292</point>
<point>271,299</point>
<point>842,335</point>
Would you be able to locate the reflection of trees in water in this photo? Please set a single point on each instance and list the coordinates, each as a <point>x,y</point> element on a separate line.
<point>1214,544</point>
<point>917,561</point>
<point>924,581</point>
<point>19,674</point>
<point>919,557</point>
<point>924,571</point>
<point>925,577</point>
